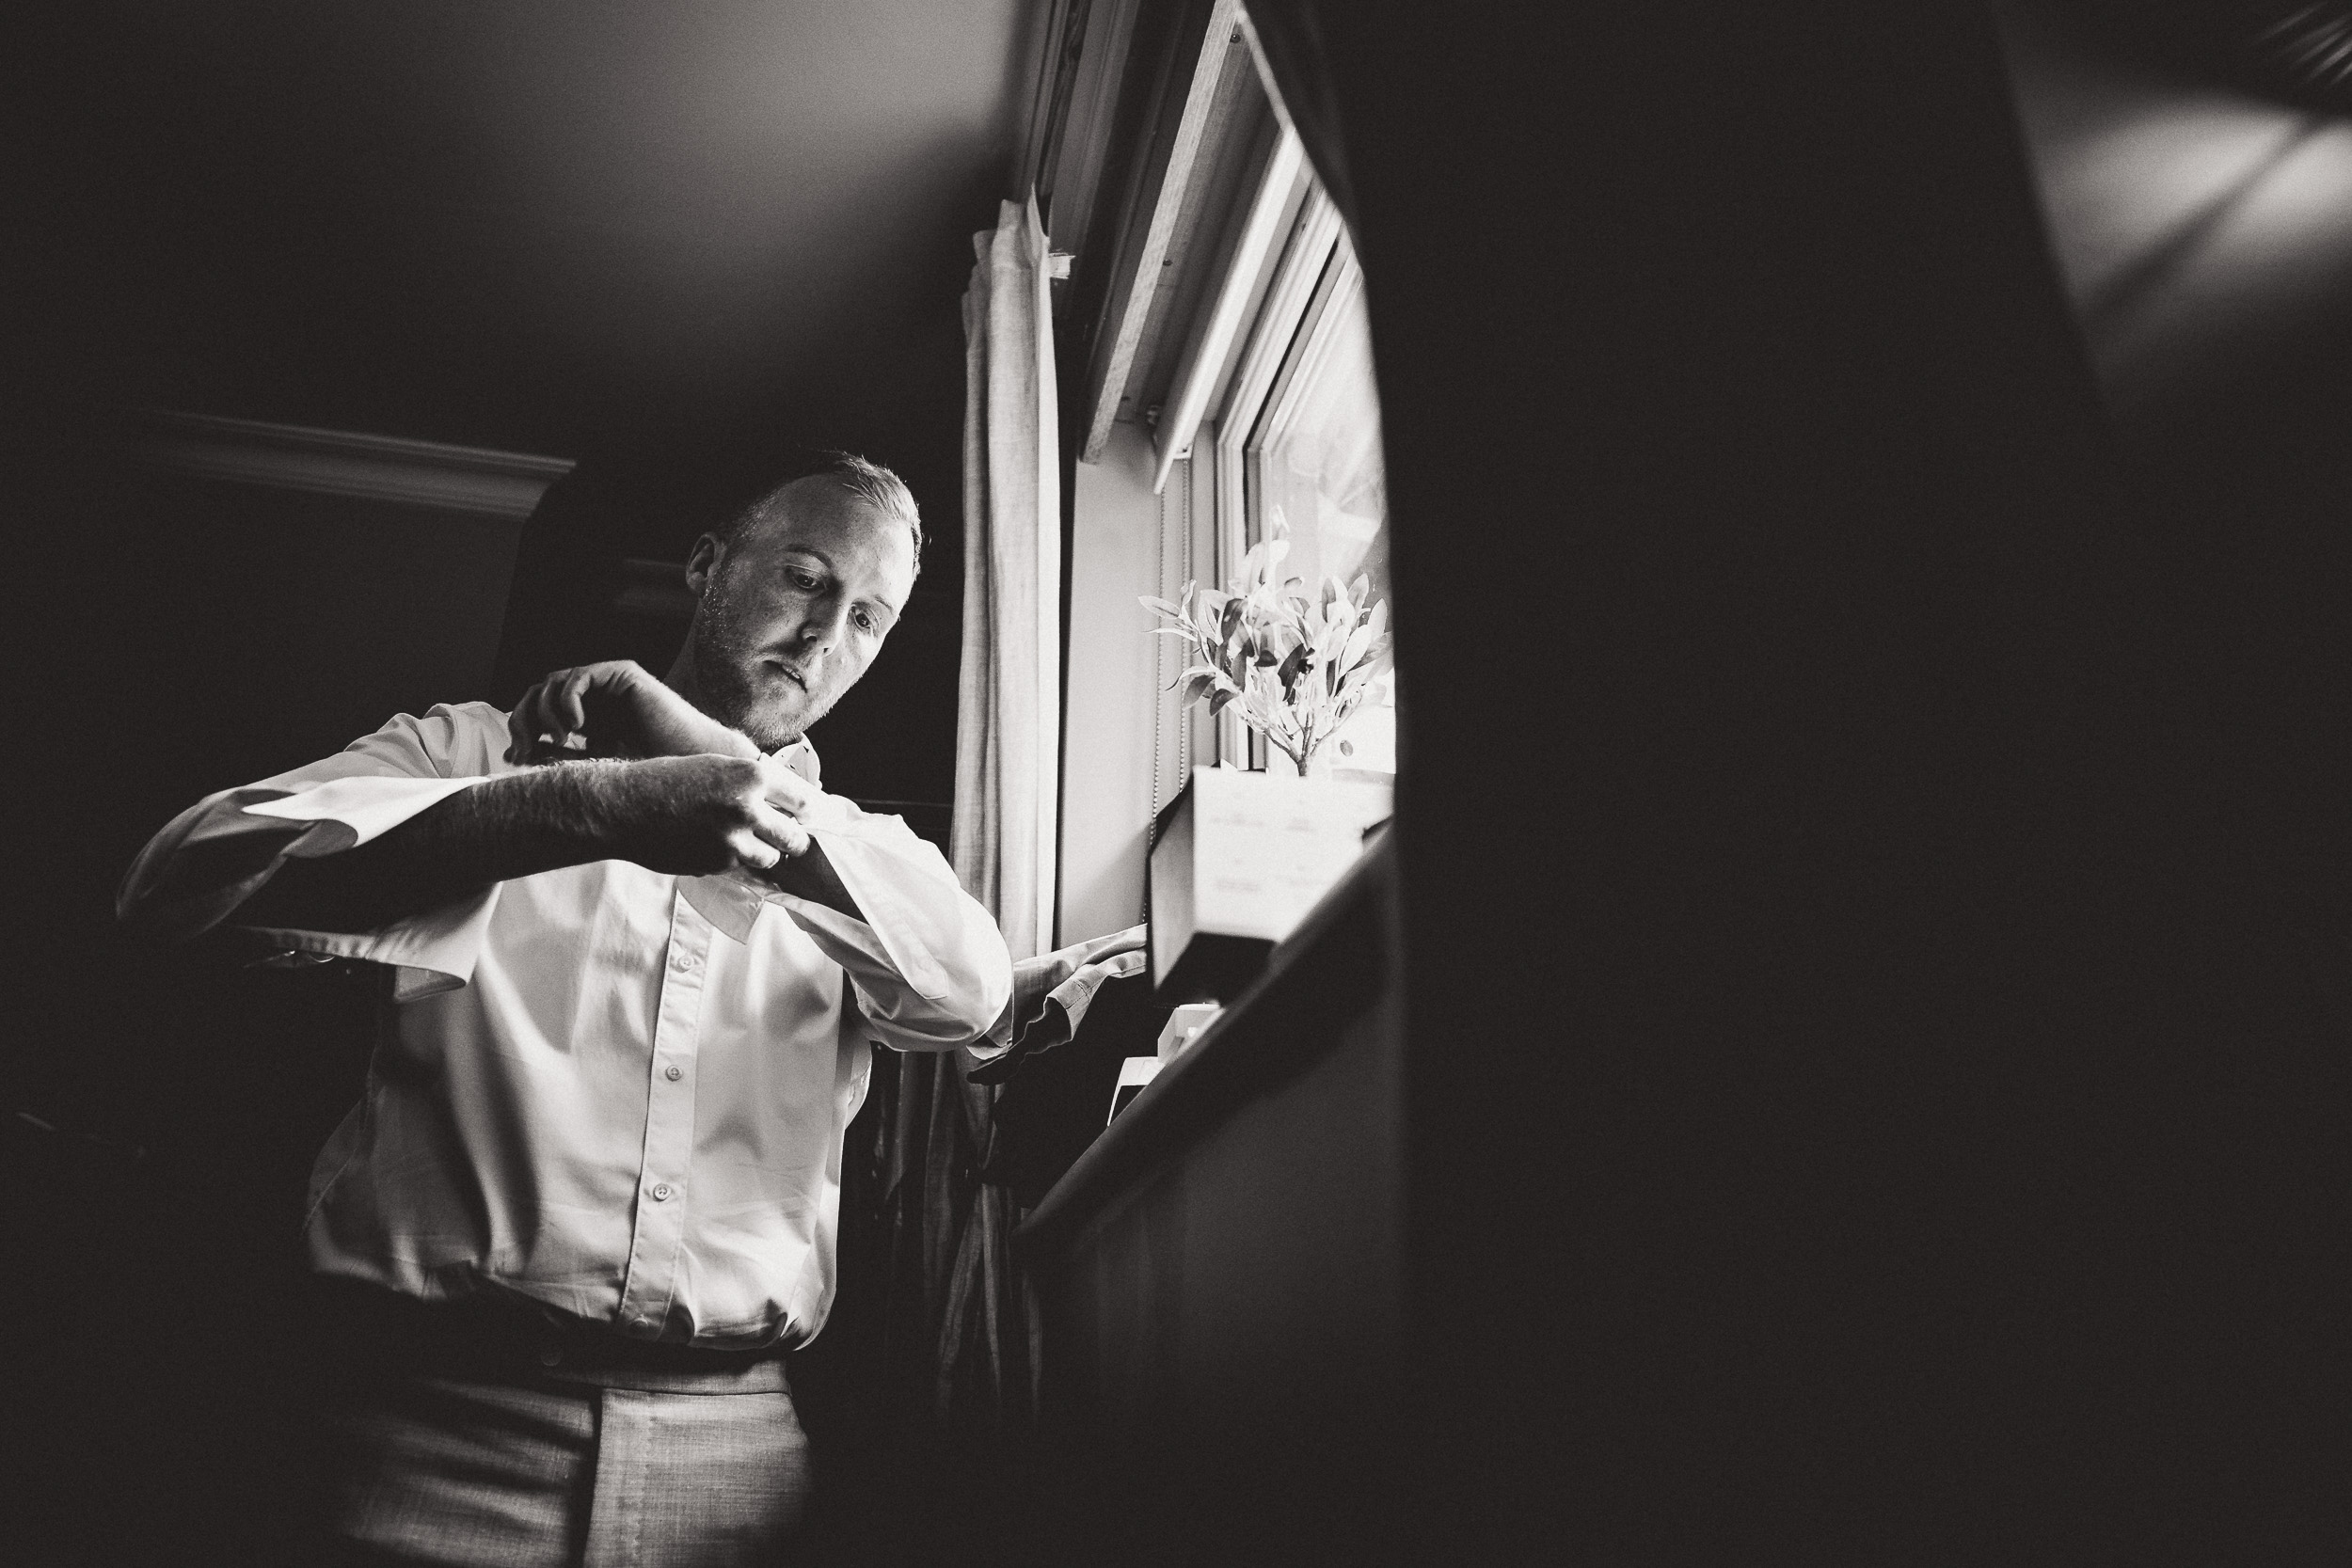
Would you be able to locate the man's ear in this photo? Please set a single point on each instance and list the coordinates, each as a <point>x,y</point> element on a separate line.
<point>705,561</point>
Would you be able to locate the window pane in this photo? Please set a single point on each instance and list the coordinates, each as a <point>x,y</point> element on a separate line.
<point>1323,469</point>
<point>1319,469</point>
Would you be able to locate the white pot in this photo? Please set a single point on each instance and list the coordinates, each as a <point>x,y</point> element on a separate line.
<point>1238,860</point>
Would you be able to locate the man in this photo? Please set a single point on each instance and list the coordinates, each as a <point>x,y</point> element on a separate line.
<point>636,955</point>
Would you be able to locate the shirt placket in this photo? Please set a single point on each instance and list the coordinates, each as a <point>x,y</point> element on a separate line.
<point>665,1166</point>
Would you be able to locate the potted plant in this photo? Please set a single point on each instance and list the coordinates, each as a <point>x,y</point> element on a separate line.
<point>1237,859</point>
<point>1296,665</point>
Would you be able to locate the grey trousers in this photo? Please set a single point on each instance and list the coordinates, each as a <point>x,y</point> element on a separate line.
<point>572,1469</point>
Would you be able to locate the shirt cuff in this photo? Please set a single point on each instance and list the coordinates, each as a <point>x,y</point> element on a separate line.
<point>921,937</point>
<point>429,952</point>
<point>347,812</point>
<point>911,898</point>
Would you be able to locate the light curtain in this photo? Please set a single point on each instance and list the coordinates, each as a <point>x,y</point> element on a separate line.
<point>1009,713</point>
<point>959,1320</point>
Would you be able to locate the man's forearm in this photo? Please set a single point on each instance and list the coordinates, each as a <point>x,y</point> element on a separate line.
<point>514,826</point>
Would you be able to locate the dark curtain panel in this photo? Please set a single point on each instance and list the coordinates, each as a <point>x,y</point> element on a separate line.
<point>1292,42</point>
<point>956,1332</point>
<point>917,1394</point>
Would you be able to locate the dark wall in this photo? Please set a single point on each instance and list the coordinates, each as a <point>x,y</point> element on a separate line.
<point>189,635</point>
<point>172,637</point>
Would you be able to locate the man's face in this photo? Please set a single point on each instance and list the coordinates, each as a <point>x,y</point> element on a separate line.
<point>789,616</point>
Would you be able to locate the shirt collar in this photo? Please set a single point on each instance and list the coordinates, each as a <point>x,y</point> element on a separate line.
<point>801,757</point>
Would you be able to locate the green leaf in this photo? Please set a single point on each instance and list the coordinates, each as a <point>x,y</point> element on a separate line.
<point>1292,666</point>
<point>1334,638</point>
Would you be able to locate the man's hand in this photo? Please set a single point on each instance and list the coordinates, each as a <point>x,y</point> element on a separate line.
<point>614,709</point>
<point>699,814</point>
<point>695,815</point>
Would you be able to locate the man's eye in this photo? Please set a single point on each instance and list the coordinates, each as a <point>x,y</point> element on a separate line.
<point>805,581</point>
<point>864,622</point>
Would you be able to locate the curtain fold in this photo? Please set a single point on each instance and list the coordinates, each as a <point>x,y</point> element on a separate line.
<point>959,1322</point>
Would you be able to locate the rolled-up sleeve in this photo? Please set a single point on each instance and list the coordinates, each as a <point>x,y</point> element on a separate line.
<point>210,859</point>
<point>928,964</point>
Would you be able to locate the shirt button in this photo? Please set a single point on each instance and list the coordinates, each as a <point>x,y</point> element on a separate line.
<point>672,1073</point>
<point>550,1357</point>
<point>683,962</point>
<point>661,1191</point>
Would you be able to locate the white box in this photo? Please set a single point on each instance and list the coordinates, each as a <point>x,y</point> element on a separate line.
<point>1238,860</point>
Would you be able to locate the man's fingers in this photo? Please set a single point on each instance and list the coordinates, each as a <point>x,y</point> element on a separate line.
<point>779,830</point>
<point>749,848</point>
<point>529,722</point>
<point>557,710</point>
<point>565,714</point>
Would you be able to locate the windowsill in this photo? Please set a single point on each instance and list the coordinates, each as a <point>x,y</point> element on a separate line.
<point>1264,1039</point>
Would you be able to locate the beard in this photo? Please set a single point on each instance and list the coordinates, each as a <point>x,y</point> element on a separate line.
<point>738,688</point>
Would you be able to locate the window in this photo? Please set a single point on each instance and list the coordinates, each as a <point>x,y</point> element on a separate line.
<point>1312,469</point>
<point>1294,444</point>
<point>1217,308</point>
<point>1218,373</point>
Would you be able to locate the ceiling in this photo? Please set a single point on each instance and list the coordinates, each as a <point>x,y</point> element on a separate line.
<point>2296,51</point>
<point>564,226</point>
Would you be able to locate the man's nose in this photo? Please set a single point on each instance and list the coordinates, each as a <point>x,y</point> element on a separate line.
<point>823,631</point>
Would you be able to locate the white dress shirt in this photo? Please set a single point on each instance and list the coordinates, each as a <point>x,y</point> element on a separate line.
<point>615,1091</point>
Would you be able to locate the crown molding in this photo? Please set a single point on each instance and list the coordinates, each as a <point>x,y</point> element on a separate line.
<point>474,480</point>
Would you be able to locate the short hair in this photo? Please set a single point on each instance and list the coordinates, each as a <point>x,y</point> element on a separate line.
<point>853,476</point>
